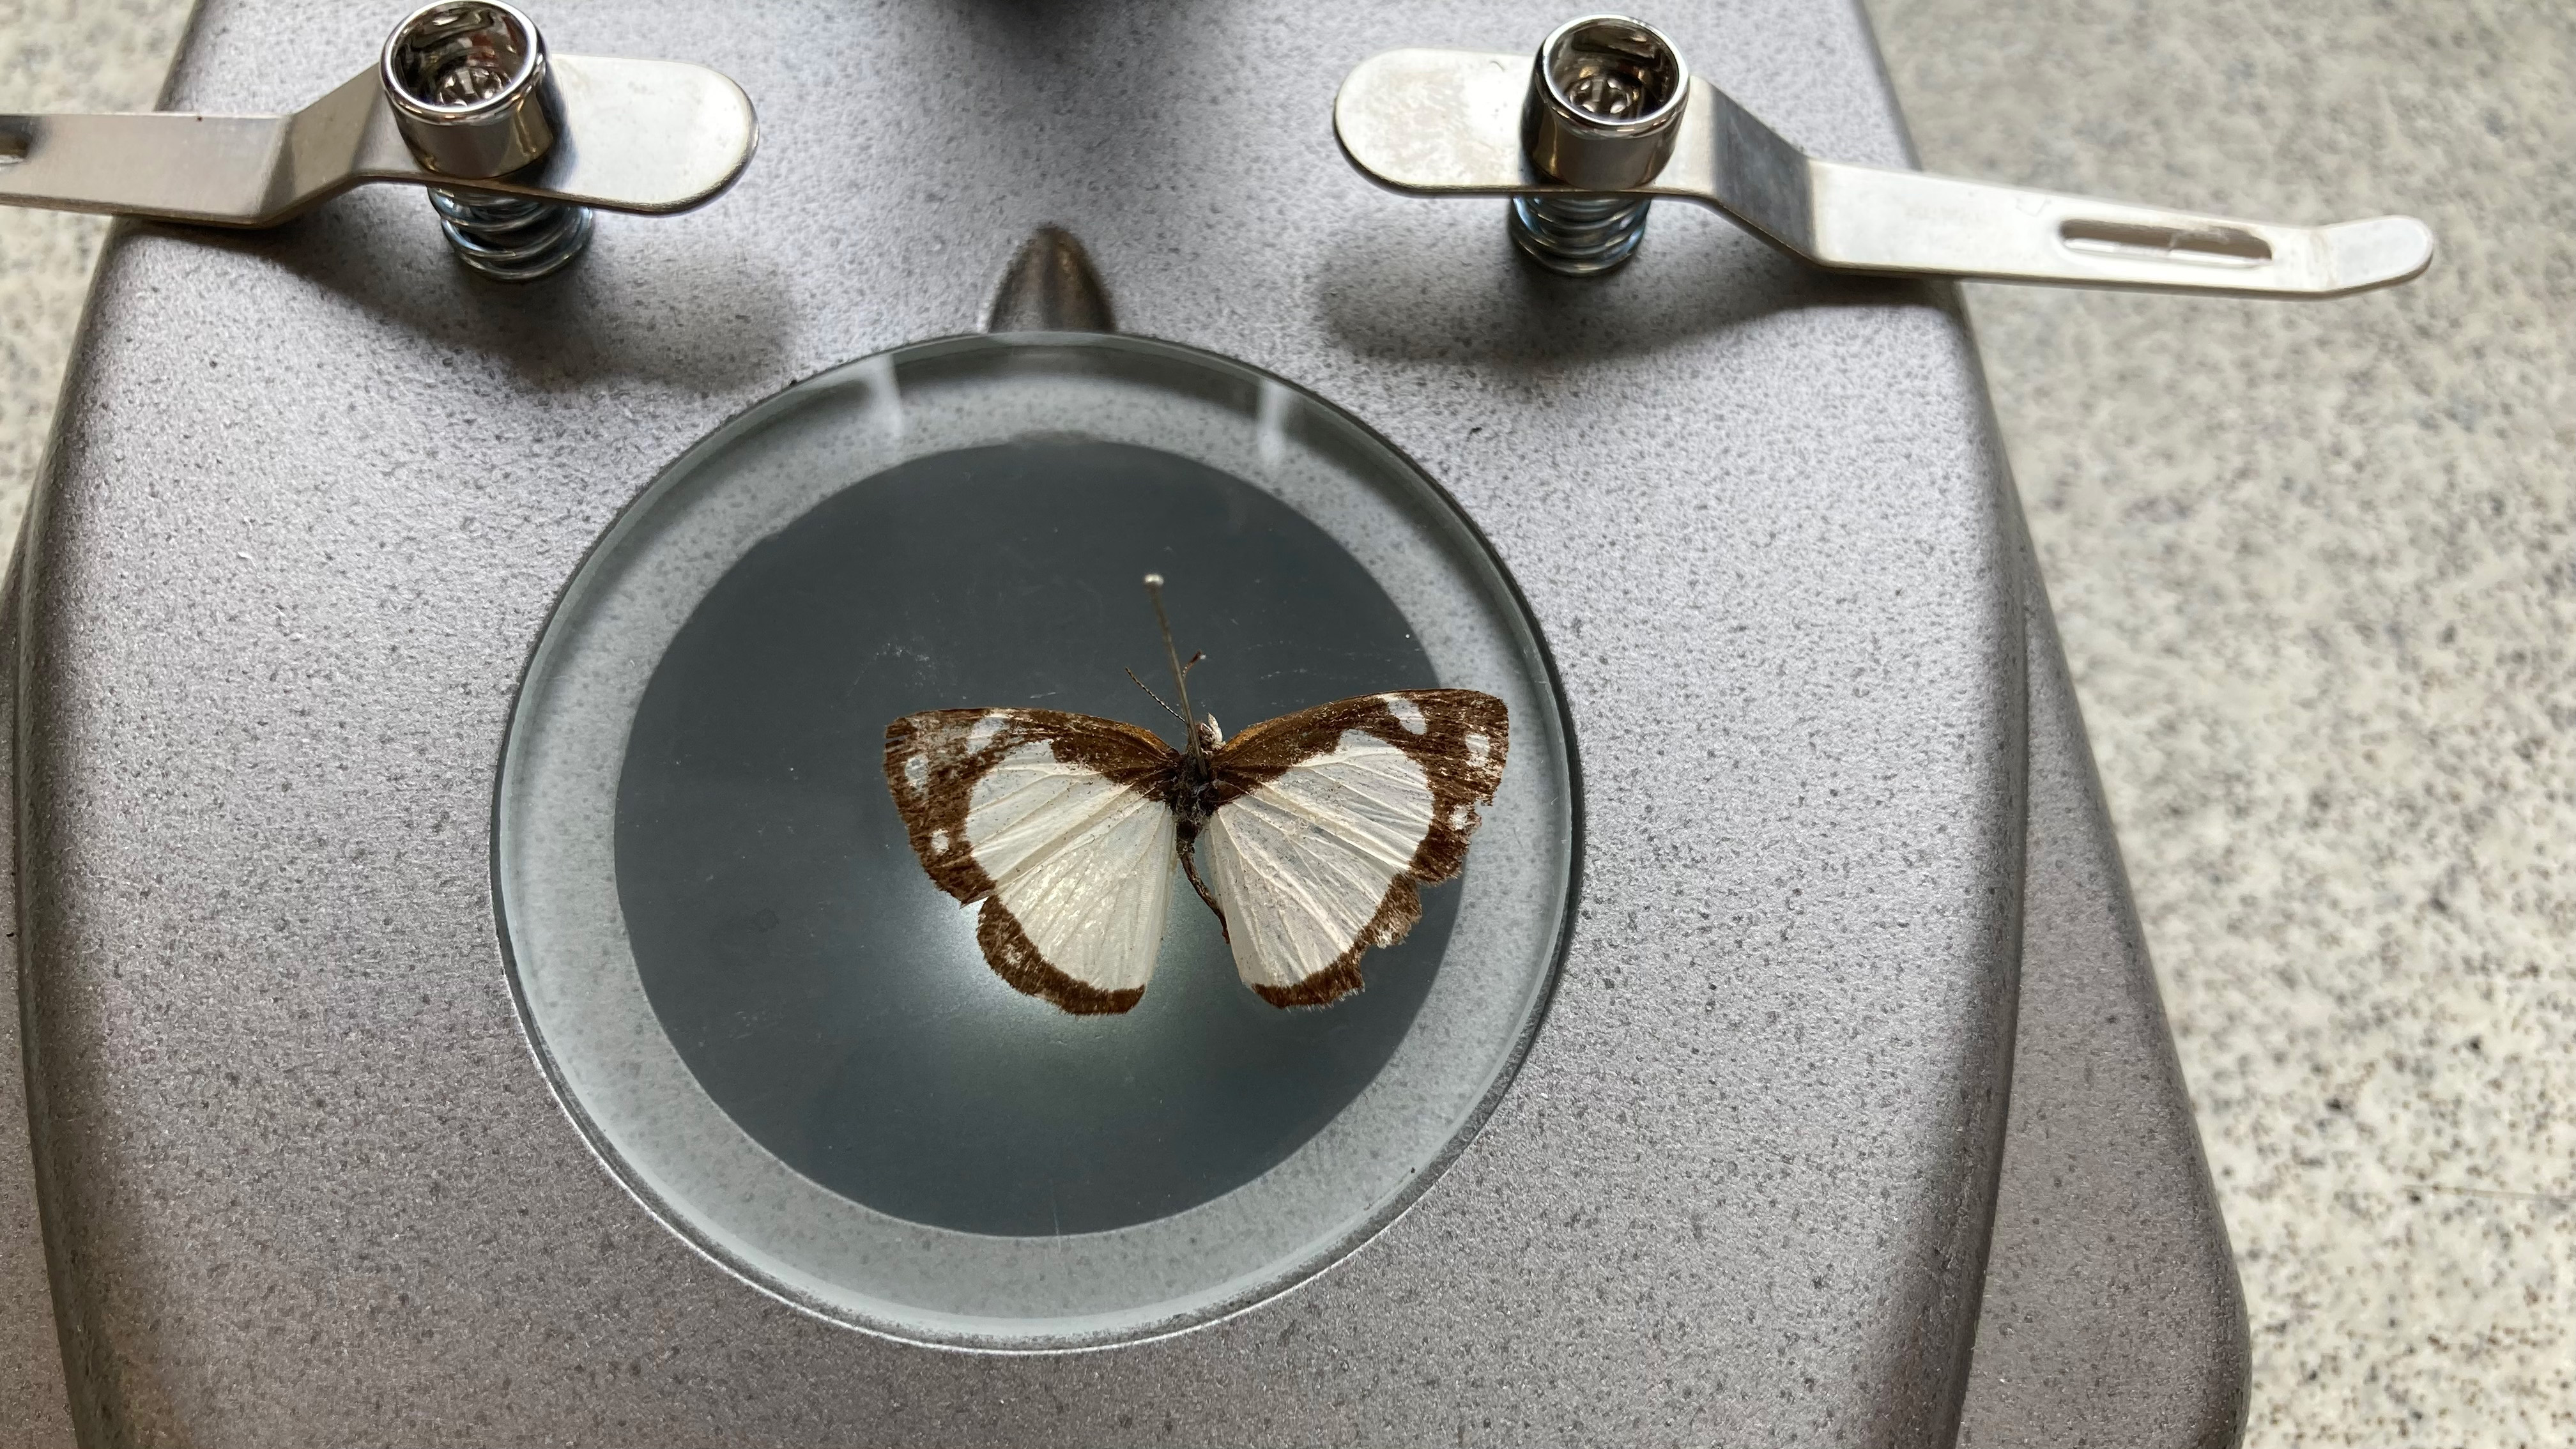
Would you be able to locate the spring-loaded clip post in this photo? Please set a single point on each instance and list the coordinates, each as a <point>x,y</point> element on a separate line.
<point>1605,96</point>
<point>474,99</point>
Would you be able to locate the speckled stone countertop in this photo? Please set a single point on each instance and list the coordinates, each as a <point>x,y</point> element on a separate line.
<point>60,55</point>
<point>2315,565</point>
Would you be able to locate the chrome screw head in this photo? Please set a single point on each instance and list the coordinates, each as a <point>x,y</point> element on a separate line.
<point>468,84</point>
<point>1604,96</point>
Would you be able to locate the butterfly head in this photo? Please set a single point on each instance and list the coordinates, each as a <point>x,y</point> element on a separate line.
<point>1209,735</point>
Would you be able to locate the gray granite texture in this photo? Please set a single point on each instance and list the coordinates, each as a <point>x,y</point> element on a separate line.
<point>34,1413</point>
<point>2112,1316</point>
<point>60,55</point>
<point>2315,566</point>
<point>91,55</point>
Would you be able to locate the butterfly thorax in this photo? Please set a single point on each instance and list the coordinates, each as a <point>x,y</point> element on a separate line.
<point>1192,795</point>
<point>1192,791</point>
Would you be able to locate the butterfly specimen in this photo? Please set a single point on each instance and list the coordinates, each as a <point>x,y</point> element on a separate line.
<point>1308,834</point>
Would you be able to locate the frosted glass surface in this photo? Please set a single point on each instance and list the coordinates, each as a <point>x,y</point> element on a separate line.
<point>821,988</point>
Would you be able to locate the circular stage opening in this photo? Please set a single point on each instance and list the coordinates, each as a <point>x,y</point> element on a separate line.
<point>782,1035</point>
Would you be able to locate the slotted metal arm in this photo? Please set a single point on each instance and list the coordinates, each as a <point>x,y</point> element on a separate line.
<point>1452,123</point>
<point>647,136</point>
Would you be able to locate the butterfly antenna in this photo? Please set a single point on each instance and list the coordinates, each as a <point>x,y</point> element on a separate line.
<point>1180,676</point>
<point>1158,699</point>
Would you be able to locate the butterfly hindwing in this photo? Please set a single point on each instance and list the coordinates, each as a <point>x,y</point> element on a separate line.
<point>1328,820</point>
<point>1060,826</point>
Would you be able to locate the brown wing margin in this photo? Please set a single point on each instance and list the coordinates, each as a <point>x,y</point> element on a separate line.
<point>932,763</point>
<point>1461,745</point>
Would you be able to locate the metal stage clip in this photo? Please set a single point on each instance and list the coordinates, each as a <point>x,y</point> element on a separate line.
<point>1606,118</point>
<point>464,92</point>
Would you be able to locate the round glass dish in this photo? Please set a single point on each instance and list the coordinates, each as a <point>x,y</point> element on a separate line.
<point>780,1034</point>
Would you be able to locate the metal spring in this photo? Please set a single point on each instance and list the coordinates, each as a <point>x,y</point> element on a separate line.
<point>511,238</point>
<point>1579,236</point>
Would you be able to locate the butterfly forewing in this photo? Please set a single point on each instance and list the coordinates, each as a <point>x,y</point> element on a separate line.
<point>1060,826</point>
<point>1329,819</point>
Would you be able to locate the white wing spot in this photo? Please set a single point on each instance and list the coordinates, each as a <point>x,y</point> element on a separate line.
<point>916,771</point>
<point>983,732</point>
<point>1406,712</point>
<point>1458,818</point>
<point>1479,749</point>
<point>939,842</point>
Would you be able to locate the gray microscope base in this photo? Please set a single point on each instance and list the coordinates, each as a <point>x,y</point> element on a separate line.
<point>315,493</point>
<point>2112,1315</point>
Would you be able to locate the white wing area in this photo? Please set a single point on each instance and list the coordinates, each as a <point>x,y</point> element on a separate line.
<point>1302,863</point>
<point>1084,865</point>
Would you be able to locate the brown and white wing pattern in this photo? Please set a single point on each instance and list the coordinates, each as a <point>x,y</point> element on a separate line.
<point>1059,824</point>
<point>1327,820</point>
